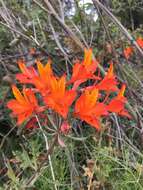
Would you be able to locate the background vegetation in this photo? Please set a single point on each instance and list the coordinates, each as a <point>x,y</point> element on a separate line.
<point>110,159</point>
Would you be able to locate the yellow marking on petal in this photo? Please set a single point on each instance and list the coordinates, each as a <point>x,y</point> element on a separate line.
<point>110,70</point>
<point>61,85</point>
<point>31,97</point>
<point>91,97</point>
<point>49,62</point>
<point>40,67</point>
<point>47,68</point>
<point>18,94</point>
<point>53,83</point>
<point>122,91</point>
<point>87,57</point>
<point>25,95</point>
<point>22,67</point>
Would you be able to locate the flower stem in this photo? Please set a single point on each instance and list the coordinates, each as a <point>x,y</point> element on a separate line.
<point>49,157</point>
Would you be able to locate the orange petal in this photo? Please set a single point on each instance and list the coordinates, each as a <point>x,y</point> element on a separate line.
<point>18,94</point>
<point>122,91</point>
<point>94,122</point>
<point>61,85</point>
<point>47,68</point>
<point>40,67</point>
<point>32,51</point>
<point>87,57</point>
<point>31,97</point>
<point>22,67</point>
<point>91,97</point>
<point>22,117</point>
<point>140,42</point>
<point>110,71</point>
<point>128,52</point>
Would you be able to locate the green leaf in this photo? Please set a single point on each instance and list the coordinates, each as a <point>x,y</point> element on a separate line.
<point>10,173</point>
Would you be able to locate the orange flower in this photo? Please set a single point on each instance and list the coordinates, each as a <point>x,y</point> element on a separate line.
<point>84,70</point>
<point>59,99</point>
<point>109,82</point>
<point>27,73</point>
<point>117,105</point>
<point>32,51</point>
<point>44,70</point>
<point>128,52</point>
<point>39,79</point>
<point>24,105</point>
<point>88,109</point>
<point>140,42</point>
<point>42,81</point>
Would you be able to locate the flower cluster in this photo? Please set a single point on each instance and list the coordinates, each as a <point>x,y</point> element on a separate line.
<point>68,97</point>
<point>128,51</point>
